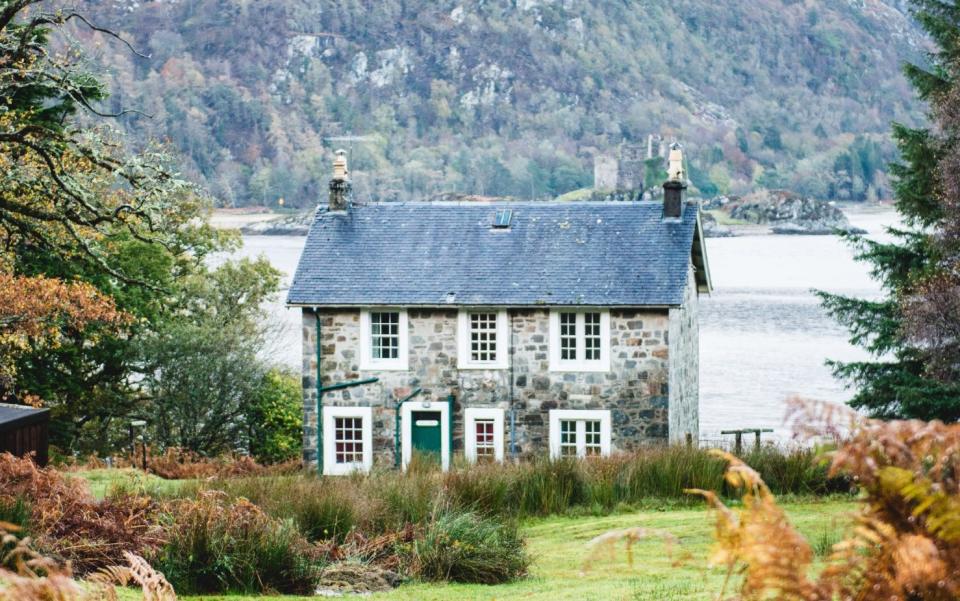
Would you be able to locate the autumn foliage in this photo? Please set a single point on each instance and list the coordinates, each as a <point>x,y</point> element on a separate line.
<point>68,523</point>
<point>906,540</point>
<point>35,312</point>
<point>26,575</point>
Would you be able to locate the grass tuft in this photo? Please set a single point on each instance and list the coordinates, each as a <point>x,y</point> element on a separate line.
<point>468,547</point>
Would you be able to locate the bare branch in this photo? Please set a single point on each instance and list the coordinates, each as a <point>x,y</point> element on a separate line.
<point>79,17</point>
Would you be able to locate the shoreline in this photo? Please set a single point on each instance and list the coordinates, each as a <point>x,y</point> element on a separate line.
<point>232,219</point>
<point>252,221</point>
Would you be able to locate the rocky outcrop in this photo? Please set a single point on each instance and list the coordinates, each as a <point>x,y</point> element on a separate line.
<point>291,225</point>
<point>790,213</point>
<point>712,228</point>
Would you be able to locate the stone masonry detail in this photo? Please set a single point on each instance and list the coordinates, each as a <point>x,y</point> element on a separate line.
<point>685,366</point>
<point>636,389</point>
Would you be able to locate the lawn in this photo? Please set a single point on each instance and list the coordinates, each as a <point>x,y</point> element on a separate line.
<point>559,547</point>
<point>100,481</point>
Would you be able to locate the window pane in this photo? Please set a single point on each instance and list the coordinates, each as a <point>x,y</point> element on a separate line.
<point>568,438</point>
<point>385,335</point>
<point>348,439</point>
<point>483,430</point>
<point>483,337</point>
<point>592,437</point>
<point>591,336</point>
<point>568,336</point>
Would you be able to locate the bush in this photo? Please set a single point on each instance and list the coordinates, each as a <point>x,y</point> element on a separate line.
<point>467,547</point>
<point>276,418</point>
<point>218,545</point>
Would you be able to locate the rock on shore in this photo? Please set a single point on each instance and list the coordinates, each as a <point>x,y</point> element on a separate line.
<point>790,213</point>
<point>292,225</point>
<point>712,229</point>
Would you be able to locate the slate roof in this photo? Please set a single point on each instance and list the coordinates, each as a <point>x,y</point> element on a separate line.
<point>15,416</point>
<point>554,253</point>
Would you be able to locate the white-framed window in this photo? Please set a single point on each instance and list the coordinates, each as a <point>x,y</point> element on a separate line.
<point>483,339</point>
<point>347,440</point>
<point>384,334</point>
<point>483,434</point>
<point>579,432</point>
<point>579,340</point>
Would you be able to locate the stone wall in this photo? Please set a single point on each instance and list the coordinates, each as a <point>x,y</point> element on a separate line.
<point>604,172</point>
<point>635,389</point>
<point>631,168</point>
<point>685,366</point>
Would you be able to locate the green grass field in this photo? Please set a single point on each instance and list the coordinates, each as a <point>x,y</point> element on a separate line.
<point>99,481</point>
<point>559,547</point>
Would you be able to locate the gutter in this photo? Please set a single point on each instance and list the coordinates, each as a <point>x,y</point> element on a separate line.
<point>476,305</point>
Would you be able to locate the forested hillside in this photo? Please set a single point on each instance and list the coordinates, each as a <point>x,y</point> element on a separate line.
<point>511,97</point>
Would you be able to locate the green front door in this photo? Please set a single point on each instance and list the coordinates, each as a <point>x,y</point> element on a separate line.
<point>425,434</point>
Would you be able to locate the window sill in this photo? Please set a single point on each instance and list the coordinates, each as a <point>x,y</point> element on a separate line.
<point>580,368</point>
<point>346,469</point>
<point>483,366</point>
<point>384,367</point>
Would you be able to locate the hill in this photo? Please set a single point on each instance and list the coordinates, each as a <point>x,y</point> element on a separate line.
<point>511,97</point>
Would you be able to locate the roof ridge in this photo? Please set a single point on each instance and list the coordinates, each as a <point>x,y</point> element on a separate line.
<point>490,203</point>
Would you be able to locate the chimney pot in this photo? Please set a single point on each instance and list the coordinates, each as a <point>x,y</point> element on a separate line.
<point>340,182</point>
<point>674,189</point>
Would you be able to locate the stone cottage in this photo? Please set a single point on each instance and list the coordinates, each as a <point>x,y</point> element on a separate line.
<point>499,330</point>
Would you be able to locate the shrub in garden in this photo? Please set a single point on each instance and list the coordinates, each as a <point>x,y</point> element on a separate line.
<point>464,546</point>
<point>221,545</point>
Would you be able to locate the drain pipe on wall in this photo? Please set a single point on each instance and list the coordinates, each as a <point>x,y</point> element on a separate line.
<point>319,331</point>
<point>451,399</point>
<point>321,389</point>
<point>396,425</point>
<point>513,411</point>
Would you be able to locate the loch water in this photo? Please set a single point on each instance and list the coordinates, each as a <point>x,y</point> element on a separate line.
<point>763,336</point>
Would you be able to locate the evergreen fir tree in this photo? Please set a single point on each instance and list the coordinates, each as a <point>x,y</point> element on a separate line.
<point>898,383</point>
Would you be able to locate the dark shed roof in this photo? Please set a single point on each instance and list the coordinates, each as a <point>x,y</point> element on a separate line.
<point>18,416</point>
<point>553,253</point>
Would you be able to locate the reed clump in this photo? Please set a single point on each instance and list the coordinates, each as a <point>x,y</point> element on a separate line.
<point>385,500</point>
<point>220,545</point>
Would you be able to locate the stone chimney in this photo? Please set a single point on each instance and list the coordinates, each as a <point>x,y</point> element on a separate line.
<point>674,189</point>
<point>340,183</point>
